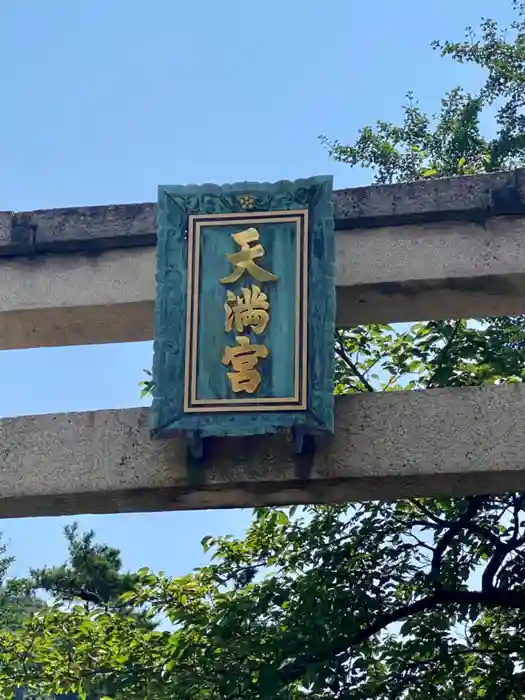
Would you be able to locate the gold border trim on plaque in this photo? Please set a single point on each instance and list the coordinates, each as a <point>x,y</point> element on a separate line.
<point>191,403</point>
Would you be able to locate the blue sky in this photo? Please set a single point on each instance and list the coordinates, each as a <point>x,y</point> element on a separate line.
<point>102,101</point>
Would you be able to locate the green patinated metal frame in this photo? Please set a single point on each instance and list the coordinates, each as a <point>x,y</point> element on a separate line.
<point>179,208</point>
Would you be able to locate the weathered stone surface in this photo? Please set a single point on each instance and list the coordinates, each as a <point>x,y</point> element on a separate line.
<point>16,235</point>
<point>77,299</point>
<point>386,446</point>
<point>454,269</point>
<point>94,228</point>
<point>473,198</point>
<point>5,230</point>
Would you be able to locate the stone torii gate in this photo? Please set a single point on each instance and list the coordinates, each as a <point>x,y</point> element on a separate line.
<point>439,249</point>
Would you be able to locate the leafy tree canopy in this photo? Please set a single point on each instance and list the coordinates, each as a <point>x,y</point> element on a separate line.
<point>424,598</point>
<point>17,600</point>
<point>451,142</point>
<point>93,573</point>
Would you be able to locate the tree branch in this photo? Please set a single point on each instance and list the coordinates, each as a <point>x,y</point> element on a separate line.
<point>471,527</point>
<point>491,599</point>
<point>341,351</point>
<point>516,680</point>
<point>501,548</point>
<point>426,511</point>
<point>444,354</point>
<point>504,548</point>
<point>474,503</point>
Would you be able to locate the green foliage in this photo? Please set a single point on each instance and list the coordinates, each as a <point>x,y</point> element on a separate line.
<point>146,385</point>
<point>17,600</point>
<point>429,355</point>
<point>423,598</point>
<point>87,590</point>
<point>450,142</point>
<point>92,573</point>
<point>17,603</point>
<point>336,584</point>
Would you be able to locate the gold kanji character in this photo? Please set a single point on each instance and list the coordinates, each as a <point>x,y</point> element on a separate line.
<point>249,310</point>
<point>243,261</point>
<point>243,359</point>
